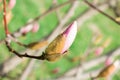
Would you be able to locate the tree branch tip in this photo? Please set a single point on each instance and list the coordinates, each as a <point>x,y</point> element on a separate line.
<point>100,11</point>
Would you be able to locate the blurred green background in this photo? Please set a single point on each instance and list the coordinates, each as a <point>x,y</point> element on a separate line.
<point>25,10</point>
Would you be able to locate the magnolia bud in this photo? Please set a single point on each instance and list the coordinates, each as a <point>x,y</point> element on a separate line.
<point>108,61</point>
<point>11,3</point>
<point>61,43</point>
<point>37,45</point>
<point>99,50</point>
<point>35,27</point>
<point>70,34</point>
<point>26,29</point>
<point>107,71</point>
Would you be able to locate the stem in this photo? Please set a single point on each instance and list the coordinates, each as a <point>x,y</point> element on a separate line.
<point>91,5</point>
<point>4,18</point>
<point>23,55</point>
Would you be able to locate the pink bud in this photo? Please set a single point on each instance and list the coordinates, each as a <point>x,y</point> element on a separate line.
<point>108,61</point>
<point>35,27</point>
<point>11,3</point>
<point>61,43</point>
<point>99,50</point>
<point>70,34</point>
<point>26,29</point>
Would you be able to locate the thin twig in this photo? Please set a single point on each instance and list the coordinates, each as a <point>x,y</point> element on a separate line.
<point>27,70</point>
<point>6,28</point>
<point>49,11</point>
<point>91,5</point>
<point>4,18</point>
<point>23,55</point>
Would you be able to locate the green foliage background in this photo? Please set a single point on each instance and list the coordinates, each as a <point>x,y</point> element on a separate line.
<point>29,9</point>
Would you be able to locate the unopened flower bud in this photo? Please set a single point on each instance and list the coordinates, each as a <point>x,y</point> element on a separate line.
<point>108,61</point>
<point>99,50</point>
<point>11,3</point>
<point>70,34</point>
<point>107,71</point>
<point>61,43</point>
<point>35,27</point>
<point>26,29</point>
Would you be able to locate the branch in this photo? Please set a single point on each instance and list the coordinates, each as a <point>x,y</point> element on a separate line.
<point>101,11</point>
<point>114,5</point>
<point>4,18</point>
<point>55,3</point>
<point>49,11</point>
<point>27,70</point>
<point>22,55</point>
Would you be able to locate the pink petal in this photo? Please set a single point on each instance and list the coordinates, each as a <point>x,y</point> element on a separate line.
<point>108,61</point>
<point>35,27</point>
<point>26,29</point>
<point>70,34</point>
<point>99,50</point>
<point>11,3</point>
